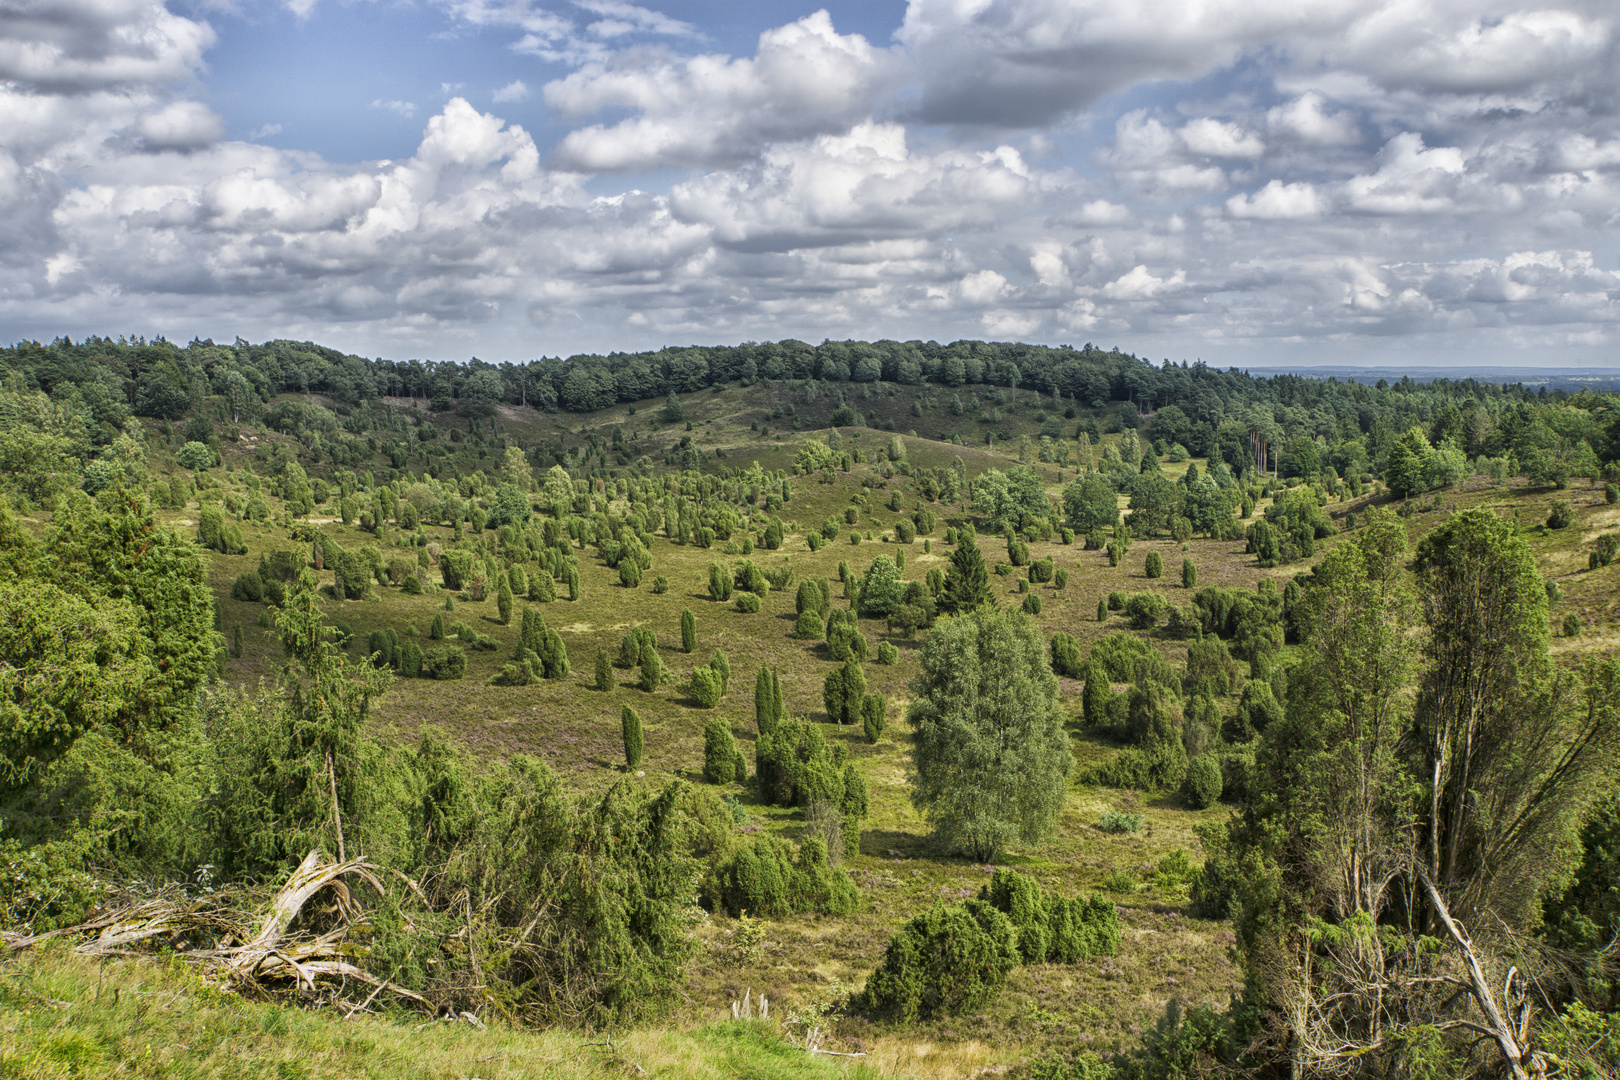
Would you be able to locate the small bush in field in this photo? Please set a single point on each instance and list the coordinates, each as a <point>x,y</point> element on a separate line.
<point>1117,821</point>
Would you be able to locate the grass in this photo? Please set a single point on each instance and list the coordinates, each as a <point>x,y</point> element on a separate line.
<point>63,1016</point>
<point>805,959</point>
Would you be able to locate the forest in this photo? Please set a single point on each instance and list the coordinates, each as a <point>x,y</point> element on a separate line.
<point>876,709</point>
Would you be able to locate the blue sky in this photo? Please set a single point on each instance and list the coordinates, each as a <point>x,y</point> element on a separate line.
<point>1261,182</point>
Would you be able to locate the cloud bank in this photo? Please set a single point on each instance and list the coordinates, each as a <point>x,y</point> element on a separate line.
<point>1250,181</point>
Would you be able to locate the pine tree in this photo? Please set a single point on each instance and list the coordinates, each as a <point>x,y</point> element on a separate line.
<point>436,629</point>
<point>630,721</point>
<point>967,581</point>
<point>688,630</point>
<point>1102,610</point>
<point>1189,574</point>
<point>503,603</point>
<point>604,670</point>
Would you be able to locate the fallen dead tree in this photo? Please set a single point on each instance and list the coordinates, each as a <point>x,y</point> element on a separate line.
<point>252,954</point>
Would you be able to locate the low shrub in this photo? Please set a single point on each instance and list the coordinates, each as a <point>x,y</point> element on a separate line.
<point>445,663</point>
<point>1066,658</point>
<point>945,961</point>
<point>1120,881</point>
<point>764,879</point>
<point>248,586</point>
<point>706,688</point>
<point>719,752</point>
<point>1203,784</point>
<point>1118,821</point>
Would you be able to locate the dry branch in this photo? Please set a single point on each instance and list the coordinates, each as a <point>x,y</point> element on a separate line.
<point>269,954</point>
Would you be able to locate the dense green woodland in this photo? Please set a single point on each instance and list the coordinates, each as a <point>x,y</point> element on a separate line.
<point>1309,424</point>
<point>1421,862</point>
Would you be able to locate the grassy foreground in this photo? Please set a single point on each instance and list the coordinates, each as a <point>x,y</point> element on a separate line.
<point>65,1016</point>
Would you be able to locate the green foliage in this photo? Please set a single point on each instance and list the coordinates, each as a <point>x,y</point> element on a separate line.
<point>880,588</point>
<point>719,751</point>
<point>946,961</point>
<point>1145,609</point>
<point>721,583</point>
<point>844,693</point>
<point>991,753</point>
<point>1032,604</point>
<point>248,586</point>
<point>446,663</point>
<point>1189,574</point>
<point>844,639</point>
<point>1065,656</point>
<point>1119,822</point>
<point>1056,929</point>
<point>1154,565</point>
<point>42,886</point>
<point>524,671</point>
<point>967,579</point>
<point>1584,1042</point>
<point>410,659</point>
<point>748,603</point>
<point>814,596</point>
<point>887,654</point>
<point>630,726</point>
<point>808,627</point>
<point>1562,516</point>
<point>542,587</point>
<point>764,878</point>
<point>630,573</point>
<point>688,631</point>
<point>1118,654</point>
<point>704,687</point>
<point>1089,504</point>
<point>653,672</point>
<point>1587,914</point>
<point>1203,784</point>
<point>874,716</point>
<point>1193,1042</point>
<point>604,671</point>
<point>1211,669</point>
<point>511,507</point>
<point>769,711</point>
<point>1098,695</point>
<point>795,765</point>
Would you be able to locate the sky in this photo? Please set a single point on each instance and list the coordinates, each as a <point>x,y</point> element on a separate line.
<point>1243,182</point>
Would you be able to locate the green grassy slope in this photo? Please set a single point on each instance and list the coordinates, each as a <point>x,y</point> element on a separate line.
<point>574,727</point>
